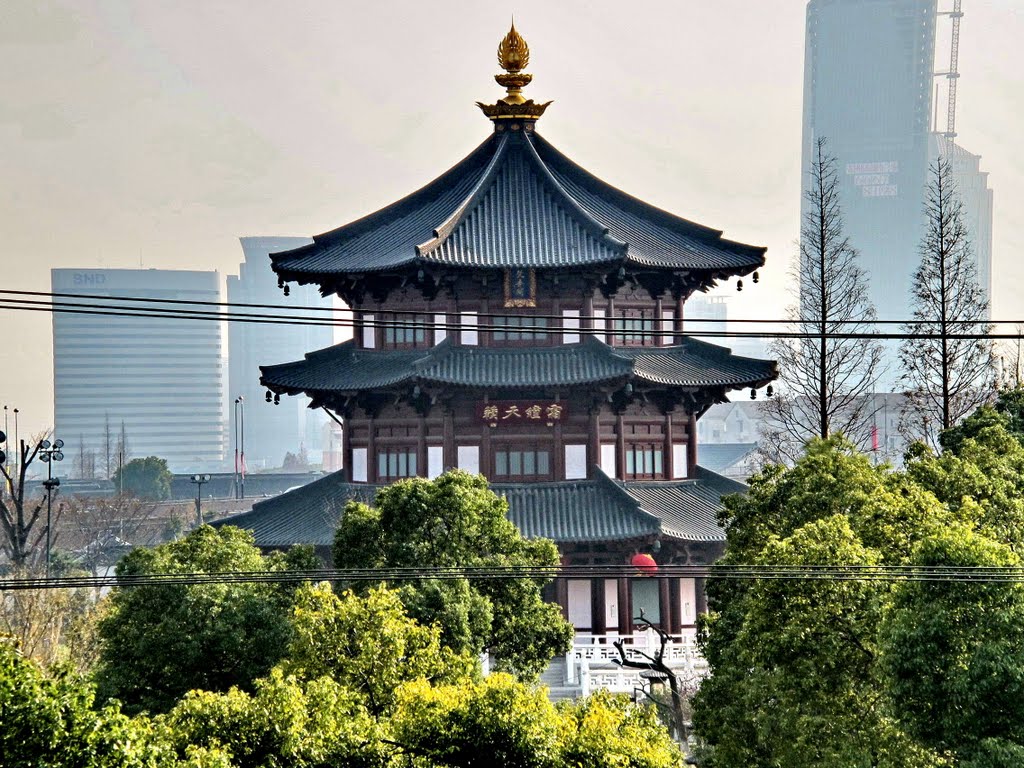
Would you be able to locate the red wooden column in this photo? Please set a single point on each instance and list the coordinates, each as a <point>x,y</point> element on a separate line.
<point>346,449</point>
<point>594,439</point>
<point>671,471</point>
<point>676,627</point>
<point>371,452</point>
<point>598,609</point>
<point>562,596</point>
<point>421,446</point>
<point>620,447</point>
<point>625,607</point>
<point>665,602</point>
<point>449,459</point>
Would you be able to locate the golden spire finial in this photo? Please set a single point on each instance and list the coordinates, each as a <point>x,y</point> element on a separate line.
<point>513,57</point>
<point>513,52</point>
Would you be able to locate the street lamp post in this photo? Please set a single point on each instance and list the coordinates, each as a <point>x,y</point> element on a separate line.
<point>17,442</point>
<point>49,454</point>
<point>198,481</point>
<point>235,488</point>
<point>241,432</point>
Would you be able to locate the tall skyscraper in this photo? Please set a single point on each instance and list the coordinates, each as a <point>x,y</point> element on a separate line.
<point>868,73</point>
<point>271,431</point>
<point>157,381</point>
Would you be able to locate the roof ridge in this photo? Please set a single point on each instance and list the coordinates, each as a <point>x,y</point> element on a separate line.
<point>564,197</point>
<point>618,487</point>
<point>389,212</point>
<point>446,227</point>
<point>667,217</point>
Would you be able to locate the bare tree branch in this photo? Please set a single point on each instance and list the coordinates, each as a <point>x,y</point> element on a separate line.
<point>825,381</point>
<point>945,377</point>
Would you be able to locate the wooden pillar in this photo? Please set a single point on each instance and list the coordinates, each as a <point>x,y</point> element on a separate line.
<point>421,446</point>
<point>691,446</point>
<point>588,311</point>
<point>598,609</point>
<point>346,449</point>
<point>700,596</point>
<point>371,452</point>
<point>665,604</point>
<point>558,459</point>
<point>679,320</point>
<point>620,448</point>
<point>667,464</point>
<point>676,626</point>
<point>594,429</point>
<point>449,458</point>
<point>625,607</point>
<point>562,596</point>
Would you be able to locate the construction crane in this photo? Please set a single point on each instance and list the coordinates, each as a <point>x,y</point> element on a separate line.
<point>952,75</point>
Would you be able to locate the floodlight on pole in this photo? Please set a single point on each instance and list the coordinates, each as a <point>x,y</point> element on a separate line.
<point>48,454</point>
<point>198,481</point>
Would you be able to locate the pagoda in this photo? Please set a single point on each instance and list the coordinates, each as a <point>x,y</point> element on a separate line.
<point>520,318</point>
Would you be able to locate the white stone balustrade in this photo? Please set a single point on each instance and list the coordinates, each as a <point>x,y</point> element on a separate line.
<point>590,663</point>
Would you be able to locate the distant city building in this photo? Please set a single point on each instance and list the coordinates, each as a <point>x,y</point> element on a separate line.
<point>711,313</point>
<point>271,431</point>
<point>868,74</point>
<point>973,190</point>
<point>157,381</point>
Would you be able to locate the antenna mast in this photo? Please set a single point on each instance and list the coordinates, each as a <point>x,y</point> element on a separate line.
<point>952,75</point>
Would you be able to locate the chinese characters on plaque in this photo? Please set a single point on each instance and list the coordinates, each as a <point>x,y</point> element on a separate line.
<point>518,412</point>
<point>520,287</point>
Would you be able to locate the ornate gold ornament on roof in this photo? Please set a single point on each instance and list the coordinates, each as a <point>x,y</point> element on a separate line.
<point>513,56</point>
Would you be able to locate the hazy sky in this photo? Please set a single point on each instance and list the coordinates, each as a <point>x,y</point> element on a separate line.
<point>157,133</point>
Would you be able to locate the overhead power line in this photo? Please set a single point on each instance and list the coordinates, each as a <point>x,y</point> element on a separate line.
<point>94,307</point>
<point>938,574</point>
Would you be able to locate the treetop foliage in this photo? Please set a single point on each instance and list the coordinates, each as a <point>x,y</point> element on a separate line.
<point>336,699</point>
<point>159,641</point>
<point>457,520</point>
<point>147,478</point>
<point>860,672</point>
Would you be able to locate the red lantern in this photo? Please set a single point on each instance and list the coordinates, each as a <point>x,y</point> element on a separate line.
<point>645,563</point>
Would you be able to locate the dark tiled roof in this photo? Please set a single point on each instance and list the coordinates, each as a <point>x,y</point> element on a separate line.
<point>516,201</point>
<point>656,238</point>
<point>576,511</point>
<point>346,368</point>
<point>697,364</point>
<point>566,512</point>
<point>307,515</point>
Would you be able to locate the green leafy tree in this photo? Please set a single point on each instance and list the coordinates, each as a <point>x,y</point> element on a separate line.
<point>147,478</point>
<point>51,721</point>
<point>159,641</point>
<point>456,520</point>
<point>500,721</point>
<point>1007,411</point>
<point>980,477</point>
<point>607,731</point>
<point>953,654</point>
<point>793,661</point>
<point>283,722</point>
<point>369,645</point>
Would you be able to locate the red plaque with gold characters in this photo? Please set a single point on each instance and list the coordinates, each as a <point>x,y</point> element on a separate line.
<point>504,412</point>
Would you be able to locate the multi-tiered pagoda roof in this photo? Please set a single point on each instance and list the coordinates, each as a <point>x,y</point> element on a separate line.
<point>520,317</point>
